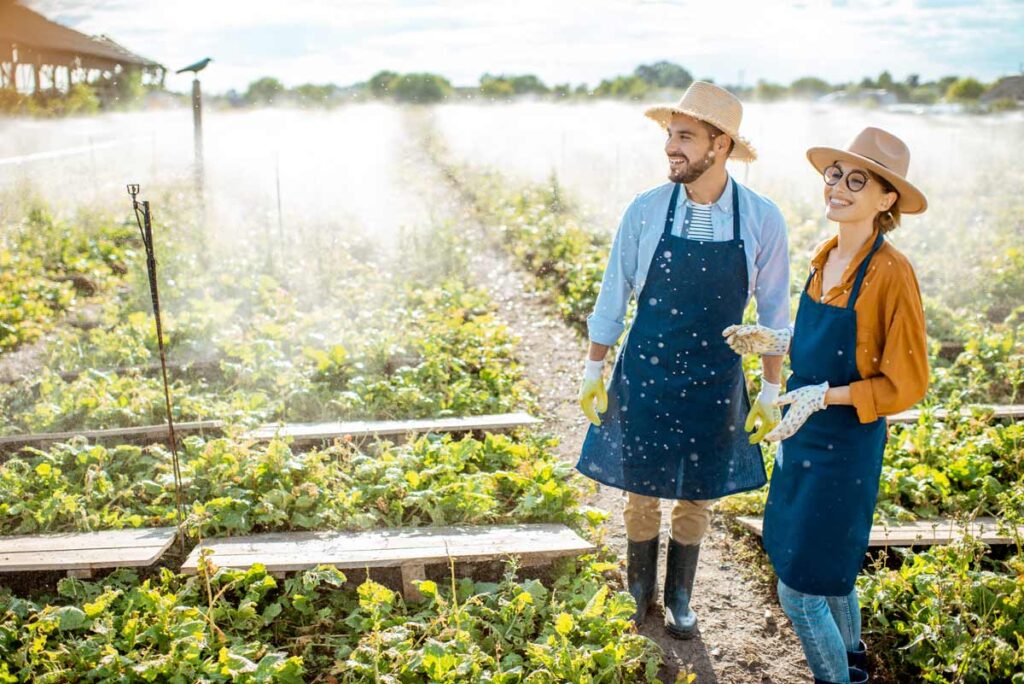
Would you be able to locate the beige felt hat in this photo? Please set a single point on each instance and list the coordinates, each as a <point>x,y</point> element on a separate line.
<point>717,106</point>
<point>883,153</point>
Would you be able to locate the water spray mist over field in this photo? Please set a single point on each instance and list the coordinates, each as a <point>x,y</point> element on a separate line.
<point>338,170</point>
<point>607,152</point>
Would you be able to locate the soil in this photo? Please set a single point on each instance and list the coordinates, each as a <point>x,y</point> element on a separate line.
<point>743,635</point>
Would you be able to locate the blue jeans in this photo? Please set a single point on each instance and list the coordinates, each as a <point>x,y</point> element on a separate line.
<point>828,627</point>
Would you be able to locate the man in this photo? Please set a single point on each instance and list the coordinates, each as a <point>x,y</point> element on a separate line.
<point>673,415</point>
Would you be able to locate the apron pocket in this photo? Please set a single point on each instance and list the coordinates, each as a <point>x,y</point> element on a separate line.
<point>645,367</point>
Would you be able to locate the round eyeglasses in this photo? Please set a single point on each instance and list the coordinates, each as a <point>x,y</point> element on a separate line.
<point>855,180</point>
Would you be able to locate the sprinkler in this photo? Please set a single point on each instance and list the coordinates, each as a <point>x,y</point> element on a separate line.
<point>143,218</point>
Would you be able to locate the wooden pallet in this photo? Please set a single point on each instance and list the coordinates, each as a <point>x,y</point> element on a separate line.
<point>410,549</point>
<point>142,433</point>
<point>321,432</point>
<point>80,553</point>
<point>1008,412</point>
<point>919,533</point>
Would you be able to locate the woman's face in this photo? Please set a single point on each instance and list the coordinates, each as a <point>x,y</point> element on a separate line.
<point>843,205</point>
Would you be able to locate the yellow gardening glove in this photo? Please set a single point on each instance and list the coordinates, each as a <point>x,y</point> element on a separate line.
<point>764,409</point>
<point>592,391</point>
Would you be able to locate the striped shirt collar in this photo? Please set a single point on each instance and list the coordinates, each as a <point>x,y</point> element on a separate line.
<point>724,201</point>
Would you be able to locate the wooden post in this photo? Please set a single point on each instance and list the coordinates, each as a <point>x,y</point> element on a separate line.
<point>410,574</point>
<point>197,133</point>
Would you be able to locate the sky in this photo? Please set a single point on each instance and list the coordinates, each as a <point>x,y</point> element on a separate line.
<point>575,41</point>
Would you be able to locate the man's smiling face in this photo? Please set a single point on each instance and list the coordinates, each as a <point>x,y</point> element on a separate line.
<point>688,148</point>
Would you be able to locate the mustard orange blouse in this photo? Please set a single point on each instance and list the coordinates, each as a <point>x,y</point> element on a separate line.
<point>892,345</point>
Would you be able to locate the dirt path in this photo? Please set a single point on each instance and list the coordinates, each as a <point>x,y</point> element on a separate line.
<point>740,639</point>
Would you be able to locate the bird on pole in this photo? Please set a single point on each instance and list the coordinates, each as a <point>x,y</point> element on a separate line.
<point>197,67</point>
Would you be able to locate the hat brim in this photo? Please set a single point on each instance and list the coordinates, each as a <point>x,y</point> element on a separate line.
<point>743,150</point>
<point>911,200</point>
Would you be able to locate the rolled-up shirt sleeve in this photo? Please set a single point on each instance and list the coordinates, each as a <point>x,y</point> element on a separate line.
<point>904,360</point>
<point>606,323</point>
<point>771,288</point>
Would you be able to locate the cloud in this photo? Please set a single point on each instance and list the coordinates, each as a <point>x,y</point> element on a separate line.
<point>561,41</point>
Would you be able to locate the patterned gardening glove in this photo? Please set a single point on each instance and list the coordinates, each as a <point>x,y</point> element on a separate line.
<point>765,410</point>
<point>757,339</point>
<point>592,391</point>
<point>805,401</point>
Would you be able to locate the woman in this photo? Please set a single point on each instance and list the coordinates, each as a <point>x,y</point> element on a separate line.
<point>858,353</point>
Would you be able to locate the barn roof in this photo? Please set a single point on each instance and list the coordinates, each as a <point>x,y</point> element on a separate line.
<point>34,33</point>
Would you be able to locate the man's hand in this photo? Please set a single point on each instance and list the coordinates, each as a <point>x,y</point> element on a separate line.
<point>592,391</point>
<point>764,410</point>
<point>757,339</point>
<point>805,401</point>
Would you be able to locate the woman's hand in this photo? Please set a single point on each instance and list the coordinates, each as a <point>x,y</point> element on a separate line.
<point>805,401</point>
<point>757,339</point>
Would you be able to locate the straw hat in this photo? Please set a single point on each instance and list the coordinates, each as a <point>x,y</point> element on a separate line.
<point>883,153</point>
<point>720,108</point>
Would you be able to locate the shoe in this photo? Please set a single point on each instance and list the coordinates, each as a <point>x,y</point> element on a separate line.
<point>858,658</point>
<point>641,575</point>
<point>680,569</point>
<point>857,676</point>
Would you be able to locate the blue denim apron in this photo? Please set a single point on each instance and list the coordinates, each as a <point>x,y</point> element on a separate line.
<point>677,399</point>
<point>821,502</point>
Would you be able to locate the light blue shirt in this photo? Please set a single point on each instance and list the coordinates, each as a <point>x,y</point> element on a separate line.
<point>765,242</point>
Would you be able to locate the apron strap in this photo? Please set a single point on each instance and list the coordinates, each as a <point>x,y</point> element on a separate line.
<point>671,215</point>
<point>863,269</point>
<point>735,210</point>
<point>807,283</point>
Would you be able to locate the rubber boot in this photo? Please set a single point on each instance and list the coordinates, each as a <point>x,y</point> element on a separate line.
<point>641,575</point>
<point>858,658</point>
<point>680,569</point>
<point>857,676</point>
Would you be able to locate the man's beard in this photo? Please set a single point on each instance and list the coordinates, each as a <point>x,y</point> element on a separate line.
<point>693,170</point>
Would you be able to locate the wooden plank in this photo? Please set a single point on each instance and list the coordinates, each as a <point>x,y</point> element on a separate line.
<point>129,434</point>
<point>315,432</point>
<point>1007,412</point>
<point>85,551</point>
<point>300,432</point>
<point>76,541</point>
<point>918,533</point>
<point>391,548</point>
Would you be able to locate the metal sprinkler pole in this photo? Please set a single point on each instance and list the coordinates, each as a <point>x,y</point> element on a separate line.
<point>280,218</point>
<point>143,218</point>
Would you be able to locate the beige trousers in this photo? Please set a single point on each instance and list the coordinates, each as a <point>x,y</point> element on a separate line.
<point>643,518</point>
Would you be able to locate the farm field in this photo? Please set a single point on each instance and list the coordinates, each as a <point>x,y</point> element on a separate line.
<point>438,262</point>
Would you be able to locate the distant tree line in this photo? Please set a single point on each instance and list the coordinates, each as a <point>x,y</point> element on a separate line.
<point>646,81</point>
